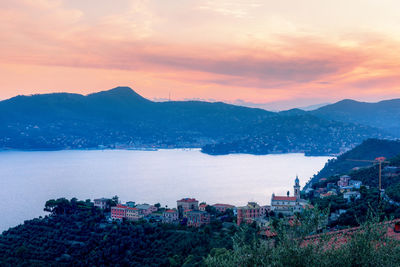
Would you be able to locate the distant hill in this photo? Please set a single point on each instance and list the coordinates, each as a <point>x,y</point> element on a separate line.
<point>121,118</point>
<point>118,116</point>
<point>368,150</point>
<point>314,107</point>
<point>296,133</point>
<point>384,115</point>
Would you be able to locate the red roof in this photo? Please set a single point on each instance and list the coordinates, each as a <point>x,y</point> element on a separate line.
<point>224,205</point>
<point>170,211</point>
<point>129,208</point>
<point>267,233</point>
<point>121,206</point>
<point>282,198</point>
<point>338,238</point>
<point>188,200</point>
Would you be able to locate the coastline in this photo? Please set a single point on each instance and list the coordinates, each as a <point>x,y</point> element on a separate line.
<point>148,149</point>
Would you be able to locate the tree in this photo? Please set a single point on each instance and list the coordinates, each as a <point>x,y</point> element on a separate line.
<point>212,210</point>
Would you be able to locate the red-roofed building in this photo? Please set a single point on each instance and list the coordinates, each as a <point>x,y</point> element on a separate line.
<point>202,207</point>
<point>170,216</point>
<point>118,212</point>
<point>132,214</point>
<point>248,213</point>
<point>186,204</point>
<point>223,207</point>
<point>102,203</point>
<point>196,218</point>
<point>287,205</point>
<point>343,181</point>
<point>283,198</point>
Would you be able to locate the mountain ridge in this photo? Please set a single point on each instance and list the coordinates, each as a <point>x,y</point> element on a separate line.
<point>122,118</point>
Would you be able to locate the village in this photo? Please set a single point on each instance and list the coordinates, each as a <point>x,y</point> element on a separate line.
<point>193,213</point>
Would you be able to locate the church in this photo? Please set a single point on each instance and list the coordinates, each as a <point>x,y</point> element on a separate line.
<point>288,205</point>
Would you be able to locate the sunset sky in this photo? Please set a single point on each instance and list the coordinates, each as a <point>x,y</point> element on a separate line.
<point>285,53</point>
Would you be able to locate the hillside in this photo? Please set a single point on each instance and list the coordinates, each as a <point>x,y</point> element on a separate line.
<point>384,115</point>
<point>121,118</point>
<point>368,150</point>
<point>83,237</point>
<point>297,133</point>
<point>117,117</point>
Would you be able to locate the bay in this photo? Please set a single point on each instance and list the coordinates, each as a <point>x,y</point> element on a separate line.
<point>29,179</point>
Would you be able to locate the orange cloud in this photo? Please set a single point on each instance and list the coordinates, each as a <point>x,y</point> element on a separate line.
<point>49,46</point>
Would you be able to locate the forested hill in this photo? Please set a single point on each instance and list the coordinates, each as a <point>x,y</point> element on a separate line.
<point>121,118</point>
<point>118,116</point>
<point>384,115</point>
<point>368,150</point>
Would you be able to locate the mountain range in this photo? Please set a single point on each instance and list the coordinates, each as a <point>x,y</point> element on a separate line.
<point>121,118</point>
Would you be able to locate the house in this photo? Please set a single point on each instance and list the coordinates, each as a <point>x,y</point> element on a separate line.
<point>196,218</point>
<point>154,217</point>
<point>247,213</point>
<point>170,216</point>
<point>146,209</point>
<point>222,207</point>
<point>328,194</point>
<point>343,180</point>
<point>317,192</point>
<point>132,214</point>
<point>351,195</point>
<point>186,204</point>
<point>344,189</point>
<point>118,212</point>
<point>202,207</point>
<point>101,203</point>
<point>355,184</point>
<point>264,210</point>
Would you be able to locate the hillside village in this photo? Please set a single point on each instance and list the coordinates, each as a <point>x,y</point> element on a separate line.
<point>193,213</point>
<point>345,190</point>
<point>321,218</point>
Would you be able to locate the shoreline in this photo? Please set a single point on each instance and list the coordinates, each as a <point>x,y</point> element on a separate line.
<point>147,149</point>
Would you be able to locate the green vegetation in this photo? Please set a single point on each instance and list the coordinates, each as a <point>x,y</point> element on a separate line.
<point>77,234</point>
<point>368,150</point>
<point>384,115</point>
<point>370,246</point>
<point>296,133</point>
<point>122,118</point>
<point>356,211</point>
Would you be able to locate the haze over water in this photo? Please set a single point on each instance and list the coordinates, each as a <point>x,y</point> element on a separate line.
<point>29,179</point>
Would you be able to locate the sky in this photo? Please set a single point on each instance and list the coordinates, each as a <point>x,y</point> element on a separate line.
<point>277,54</point>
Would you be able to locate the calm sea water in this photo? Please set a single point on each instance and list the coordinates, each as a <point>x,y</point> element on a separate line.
<point>28,179</point>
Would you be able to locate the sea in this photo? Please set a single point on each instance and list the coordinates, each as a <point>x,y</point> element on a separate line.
<point>29,179</point>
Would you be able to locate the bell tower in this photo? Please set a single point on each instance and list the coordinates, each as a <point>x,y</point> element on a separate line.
<point>297,188</point>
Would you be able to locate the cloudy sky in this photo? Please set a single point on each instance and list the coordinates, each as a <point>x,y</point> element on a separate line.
<point>287,53</point>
